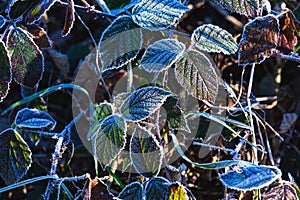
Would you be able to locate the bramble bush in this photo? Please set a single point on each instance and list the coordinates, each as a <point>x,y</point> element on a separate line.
<point>144,125</point>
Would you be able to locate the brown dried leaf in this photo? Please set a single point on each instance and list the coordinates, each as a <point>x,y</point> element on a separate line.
<point>259,40</point>
<point>284,191</point>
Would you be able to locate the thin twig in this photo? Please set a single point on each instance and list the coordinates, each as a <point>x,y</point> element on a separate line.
<point>58,153</point>
<point>87,9</point>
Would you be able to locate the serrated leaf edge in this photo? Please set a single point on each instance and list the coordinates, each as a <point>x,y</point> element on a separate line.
<point>163,100</point>
<point>155,29</point>
<point>213,70</point>
<point>175,59</point>
<point>34,109</point>
<point>120,150</point>
<point>22,140</point>
<point>261,186</point>
<point>155,141</point>
<point>10,71</point>
<point>217,28</point>
<point>37,48</point>
<point>104,68</point>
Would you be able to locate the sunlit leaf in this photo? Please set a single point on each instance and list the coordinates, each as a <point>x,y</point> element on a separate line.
<point>39,36</point>
<point>110,139</point>
<point>158,14</point>
<point>145,152</point>
<point>175,115</point>
<point>36,11</point>
<point>212,38</point>
<point>157,188</point>
<point>102,111</point>
<point>120,43</point>
<point>69,19</point>
<point>162,54</point>
<point>288,33</point>
<point>34,119</point>
<point>27,60</point>
<point>15,156</point>
<point>176,191</point>
<point>143,102</point>
<point>195,72</point>
<point>259,40</point>
<point>133,191</point>
<point>250,177</point>
<point>284,191</point>
<point>5,72</point>
<point>243,7</point>
<point>38,103</point>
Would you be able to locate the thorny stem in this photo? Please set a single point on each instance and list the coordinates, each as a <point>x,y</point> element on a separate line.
<point>58,153</point>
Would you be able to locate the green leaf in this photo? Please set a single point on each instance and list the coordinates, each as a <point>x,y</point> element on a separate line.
<point>157,188</point>
<point>175,116</point>
<point>110,139</point>
<point>161,55</point>
<point>38,103</point>
<point>259,40</point>
<point>17,8</point>
<point>143,102</point>
<point>120,43</point>
<point>176,191</point>
<point>158,14</point>
<point>133,191</point>
<point>34,119</point>
<point>5,72</point>
<point>145,152</point>
<point>102,111</point>
<point>212,38</point>
<point>15,157</point>
<point>250,177</point>
<point>69,19</point>
<point>195,72</point>
<point>27,60</point>
<point>37,10</point>
<point>243,7</point>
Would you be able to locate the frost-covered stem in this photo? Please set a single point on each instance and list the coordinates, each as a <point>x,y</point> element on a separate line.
<point>103,6</point>
<point>214,147</point>
<point>58,153</point>
<point>255,159</point>
<point>129,77</point>
<point>88,9</point>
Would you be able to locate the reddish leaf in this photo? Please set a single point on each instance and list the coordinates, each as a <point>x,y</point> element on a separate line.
<point>69,20</point>
<point>288,33</point>
<point>259,40</point>
<point>5,72</point>
<point>284,191</point>
<point>27,60</point>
